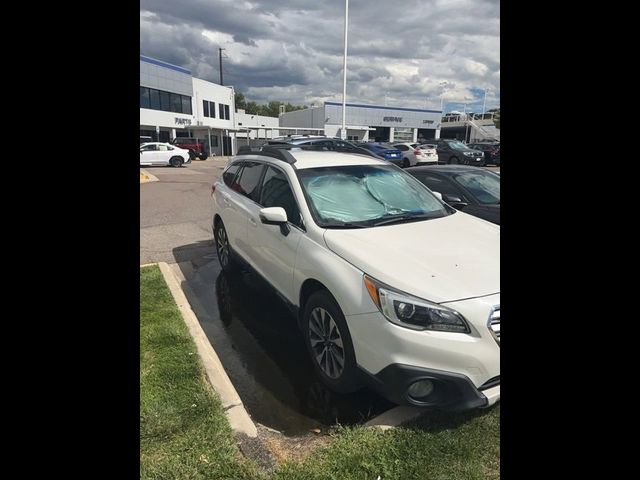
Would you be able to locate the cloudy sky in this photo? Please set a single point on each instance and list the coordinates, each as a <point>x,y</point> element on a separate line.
<point>405,53</point>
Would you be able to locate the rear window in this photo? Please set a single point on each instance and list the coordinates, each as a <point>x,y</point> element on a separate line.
<point>248,180</point>
<point>230,174</point>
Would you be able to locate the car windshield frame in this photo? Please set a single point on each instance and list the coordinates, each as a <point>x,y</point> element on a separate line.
<point>479,173</point>
<point>365,180</point>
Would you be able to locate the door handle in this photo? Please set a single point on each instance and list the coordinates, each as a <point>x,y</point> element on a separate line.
<point>225,200</point>
<point>252,221</point>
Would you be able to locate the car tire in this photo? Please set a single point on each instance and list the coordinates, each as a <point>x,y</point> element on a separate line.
<point>453,160</point>
<point>203,156</point>
<point>176,161</point>
<point>328,342</point>
<point>405,163</point>
<point>223,248</point>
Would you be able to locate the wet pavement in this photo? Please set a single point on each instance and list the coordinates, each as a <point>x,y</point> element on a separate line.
<point>262,350</point>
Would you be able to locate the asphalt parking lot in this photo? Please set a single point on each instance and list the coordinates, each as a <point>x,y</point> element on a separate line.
<point>257,340</point>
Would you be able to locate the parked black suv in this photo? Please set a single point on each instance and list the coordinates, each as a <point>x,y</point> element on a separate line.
<point>454,151</point>
<point>491,152</point>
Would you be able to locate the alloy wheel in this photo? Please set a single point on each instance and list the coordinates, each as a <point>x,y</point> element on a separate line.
<point>326,343</point>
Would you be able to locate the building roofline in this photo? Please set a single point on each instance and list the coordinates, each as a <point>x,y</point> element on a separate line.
<point>160,63</point>
<point>382,107</point>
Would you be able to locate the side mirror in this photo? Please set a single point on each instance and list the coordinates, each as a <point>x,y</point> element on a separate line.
<point>438,195</point>
<point>455,202</point>
<point>275,216</point>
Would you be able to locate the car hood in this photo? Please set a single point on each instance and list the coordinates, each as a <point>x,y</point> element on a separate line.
<point>441,260</point>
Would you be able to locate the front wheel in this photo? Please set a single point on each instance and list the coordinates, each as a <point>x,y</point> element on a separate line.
<point>329,343</point>
<point>176,161</point>
<point>453,160</point>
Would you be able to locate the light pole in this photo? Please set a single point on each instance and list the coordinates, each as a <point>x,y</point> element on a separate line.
<point>466,123</point>
<point>484,103</point>
<point>343,131</point>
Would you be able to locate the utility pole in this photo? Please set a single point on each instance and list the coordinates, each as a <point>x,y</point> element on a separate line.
<point>220,52</point>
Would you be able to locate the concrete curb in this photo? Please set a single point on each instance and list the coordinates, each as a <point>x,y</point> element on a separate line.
<point>394,417</point>
<point>237,415</point>
<point>146,177</point>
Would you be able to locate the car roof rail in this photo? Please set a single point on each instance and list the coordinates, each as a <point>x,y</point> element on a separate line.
<point>275,151</point>
<point>282,151</point>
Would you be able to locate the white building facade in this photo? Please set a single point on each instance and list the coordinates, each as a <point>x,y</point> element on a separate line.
<point>255,129</point>
<point>175,104</point>
<point>368,122</point>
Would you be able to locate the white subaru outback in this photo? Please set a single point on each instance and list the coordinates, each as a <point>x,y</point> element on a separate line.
<point>392,288</point>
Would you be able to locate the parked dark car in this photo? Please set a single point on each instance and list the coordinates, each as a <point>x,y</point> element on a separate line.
<point>452,151</point>
<point>473,190</point>
<point>195,146</point>
<point>491,152</point>
<point>389,153</point>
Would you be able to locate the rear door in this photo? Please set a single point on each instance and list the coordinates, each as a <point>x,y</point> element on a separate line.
<point>240,205</point>
<point>163,155</point>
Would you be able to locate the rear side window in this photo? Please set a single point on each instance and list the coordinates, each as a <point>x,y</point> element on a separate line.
<point>248,180</point>
<point>230,174</point>
<point>404,148</point>
<point>276,192</point>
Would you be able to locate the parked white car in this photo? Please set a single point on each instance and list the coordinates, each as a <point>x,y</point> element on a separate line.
<point>157,153</point>
<point>412,155</point>
<point>391,287</point>
<point>430,152</point>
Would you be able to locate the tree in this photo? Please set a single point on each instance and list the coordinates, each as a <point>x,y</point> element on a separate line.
<point>272,109</point>
<point>252,108</point>
<point>496,119</point>
<point>240,101</point>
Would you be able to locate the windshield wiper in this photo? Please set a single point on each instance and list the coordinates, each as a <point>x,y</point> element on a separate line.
<point>404,218</point>
<point>344,225</point>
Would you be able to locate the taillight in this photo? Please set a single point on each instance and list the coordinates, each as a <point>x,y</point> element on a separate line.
<point>417,152</point>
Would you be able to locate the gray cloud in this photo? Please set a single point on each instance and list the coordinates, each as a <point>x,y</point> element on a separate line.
<point>291,50</point>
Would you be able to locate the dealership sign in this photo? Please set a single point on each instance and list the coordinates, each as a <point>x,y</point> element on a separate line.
<point>392,119</point>
<point>182,121</point>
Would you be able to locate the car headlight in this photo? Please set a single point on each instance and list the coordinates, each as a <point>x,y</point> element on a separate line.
<point>411,312</point>
<point>470,154</point>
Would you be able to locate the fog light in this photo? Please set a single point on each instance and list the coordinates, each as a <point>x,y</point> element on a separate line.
<point>420,390</point>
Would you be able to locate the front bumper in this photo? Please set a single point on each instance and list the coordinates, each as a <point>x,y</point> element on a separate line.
<point>452,391</point>
<point>468,361</point>
<point>474,160</point>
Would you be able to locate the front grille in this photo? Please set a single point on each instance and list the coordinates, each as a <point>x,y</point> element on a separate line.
<point>494,323</point>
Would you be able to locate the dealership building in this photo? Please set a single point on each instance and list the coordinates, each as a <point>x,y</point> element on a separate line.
<point>368,122</point>
<point>175,104</point>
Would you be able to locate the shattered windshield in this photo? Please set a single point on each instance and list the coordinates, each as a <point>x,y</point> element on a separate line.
<point>367,195</point>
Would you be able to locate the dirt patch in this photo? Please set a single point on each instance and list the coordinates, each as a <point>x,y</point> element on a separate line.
<point>271,448</point>
<point>293,448</point>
